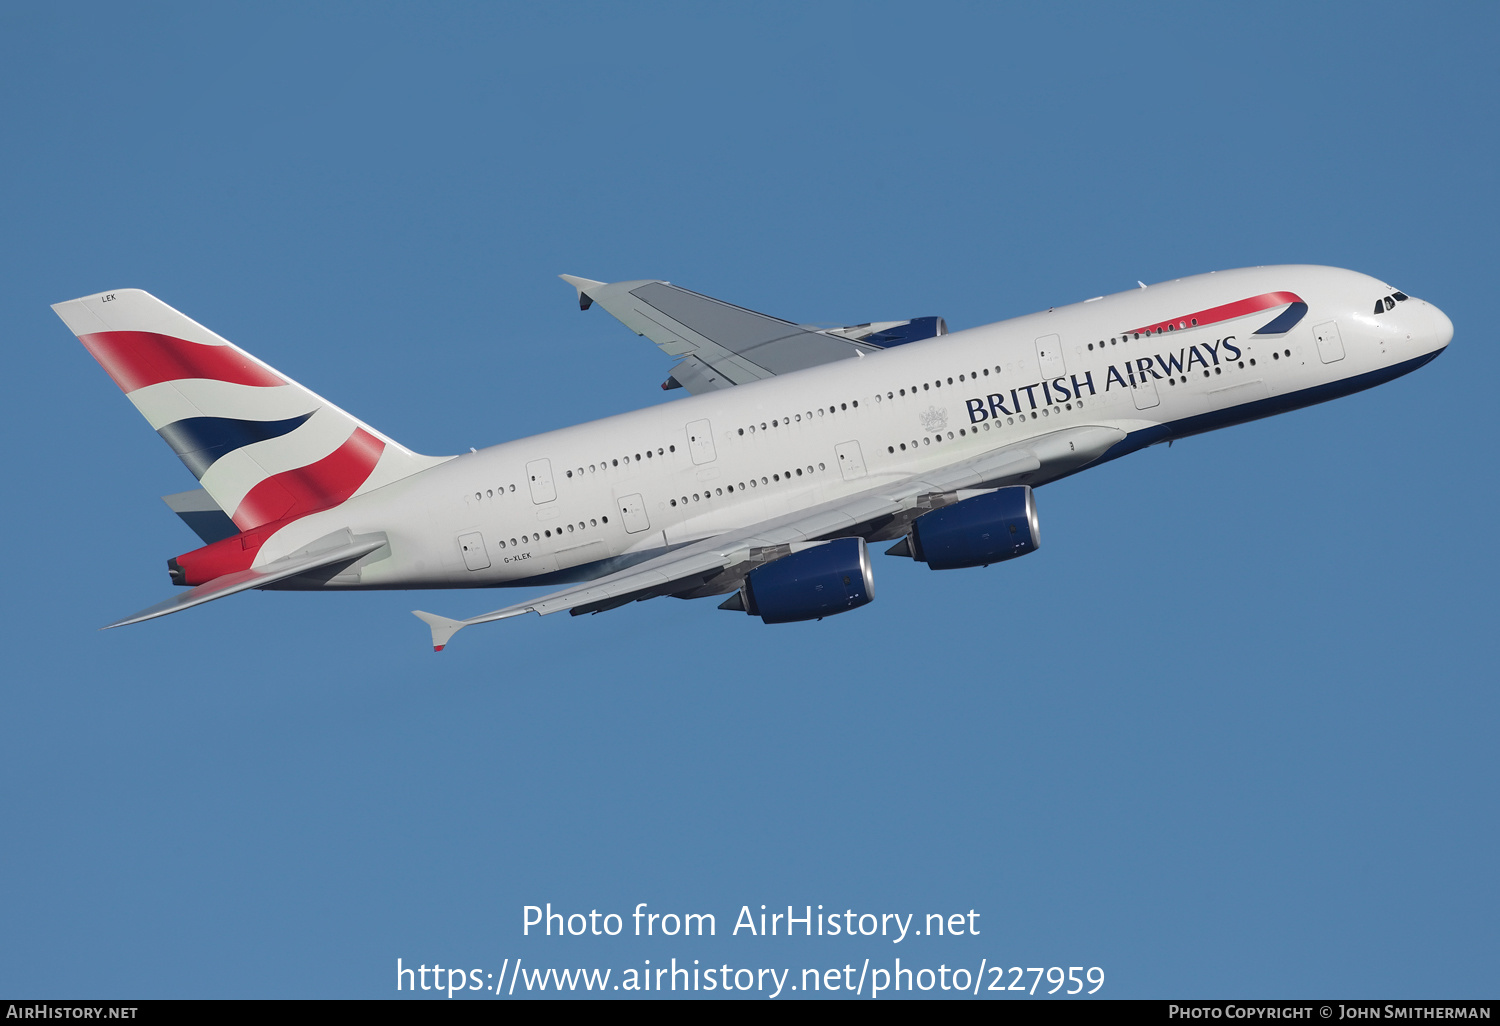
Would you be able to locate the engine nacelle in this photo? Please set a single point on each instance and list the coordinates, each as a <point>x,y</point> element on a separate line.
<point>986,529</point>
<point>886,334</point>
<point>914,330</point>
<point>826,579</point>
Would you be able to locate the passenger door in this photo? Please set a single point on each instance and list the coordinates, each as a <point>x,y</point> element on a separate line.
<point>539,476</point>
<point>475,556</point>
<point>1049,356</point>
<point>1144,393</point>
<point>851,460</point>
<point>633,514</point>
<point>700,435</point>
<point>1330,342</point>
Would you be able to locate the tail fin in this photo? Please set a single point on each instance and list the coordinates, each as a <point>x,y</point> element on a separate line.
<point>261,445</point>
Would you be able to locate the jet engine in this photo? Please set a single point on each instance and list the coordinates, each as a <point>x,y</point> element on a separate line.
<point>887,334</point>
<point>832,577</point>
<point>985,529</point>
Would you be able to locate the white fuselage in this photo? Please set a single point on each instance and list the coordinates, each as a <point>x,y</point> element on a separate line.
<point>580,502</point>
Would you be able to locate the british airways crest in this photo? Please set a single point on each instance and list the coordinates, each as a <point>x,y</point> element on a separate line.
<point>933,419</point>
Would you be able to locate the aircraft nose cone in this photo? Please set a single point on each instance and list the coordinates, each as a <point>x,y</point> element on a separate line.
<point>1442,328</point>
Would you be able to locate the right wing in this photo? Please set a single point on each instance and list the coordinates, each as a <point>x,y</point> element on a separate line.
<point>723,345</point>
<point>717,565</point>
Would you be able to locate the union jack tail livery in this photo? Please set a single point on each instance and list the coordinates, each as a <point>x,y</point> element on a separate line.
<point>262,446</point>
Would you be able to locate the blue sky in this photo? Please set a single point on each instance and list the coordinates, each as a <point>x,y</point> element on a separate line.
<point>1230,732</point>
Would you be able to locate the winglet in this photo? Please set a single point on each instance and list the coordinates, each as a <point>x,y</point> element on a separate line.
<point>443,628</point>
<point>584,299</point>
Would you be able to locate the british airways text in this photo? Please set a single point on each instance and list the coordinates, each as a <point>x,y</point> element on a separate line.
<point>1126,375</point>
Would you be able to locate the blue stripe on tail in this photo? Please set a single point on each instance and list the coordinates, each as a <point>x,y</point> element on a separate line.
<point>199,441</point>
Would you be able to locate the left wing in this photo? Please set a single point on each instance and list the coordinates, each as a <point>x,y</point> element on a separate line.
<point>717,565</point>
<point>723,345</point>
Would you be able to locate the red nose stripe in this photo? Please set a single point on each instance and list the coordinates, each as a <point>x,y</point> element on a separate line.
<point>135,359</point>
<point>316,486</point>
<point>1227,312</point>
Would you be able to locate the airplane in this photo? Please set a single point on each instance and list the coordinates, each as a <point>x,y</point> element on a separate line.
<point>795,448</point>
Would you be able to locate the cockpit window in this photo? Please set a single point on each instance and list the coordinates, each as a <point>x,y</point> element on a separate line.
<point>1389,302</point>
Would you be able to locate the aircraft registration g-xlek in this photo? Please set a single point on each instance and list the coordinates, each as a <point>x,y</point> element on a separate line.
<point>797,446</point>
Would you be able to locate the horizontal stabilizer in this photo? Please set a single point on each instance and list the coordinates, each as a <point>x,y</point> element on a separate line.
<point>258,577</point>
<point>199,511</point>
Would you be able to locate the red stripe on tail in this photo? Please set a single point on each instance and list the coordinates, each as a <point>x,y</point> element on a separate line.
<point>135,359</point>
<point>316,486</point>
